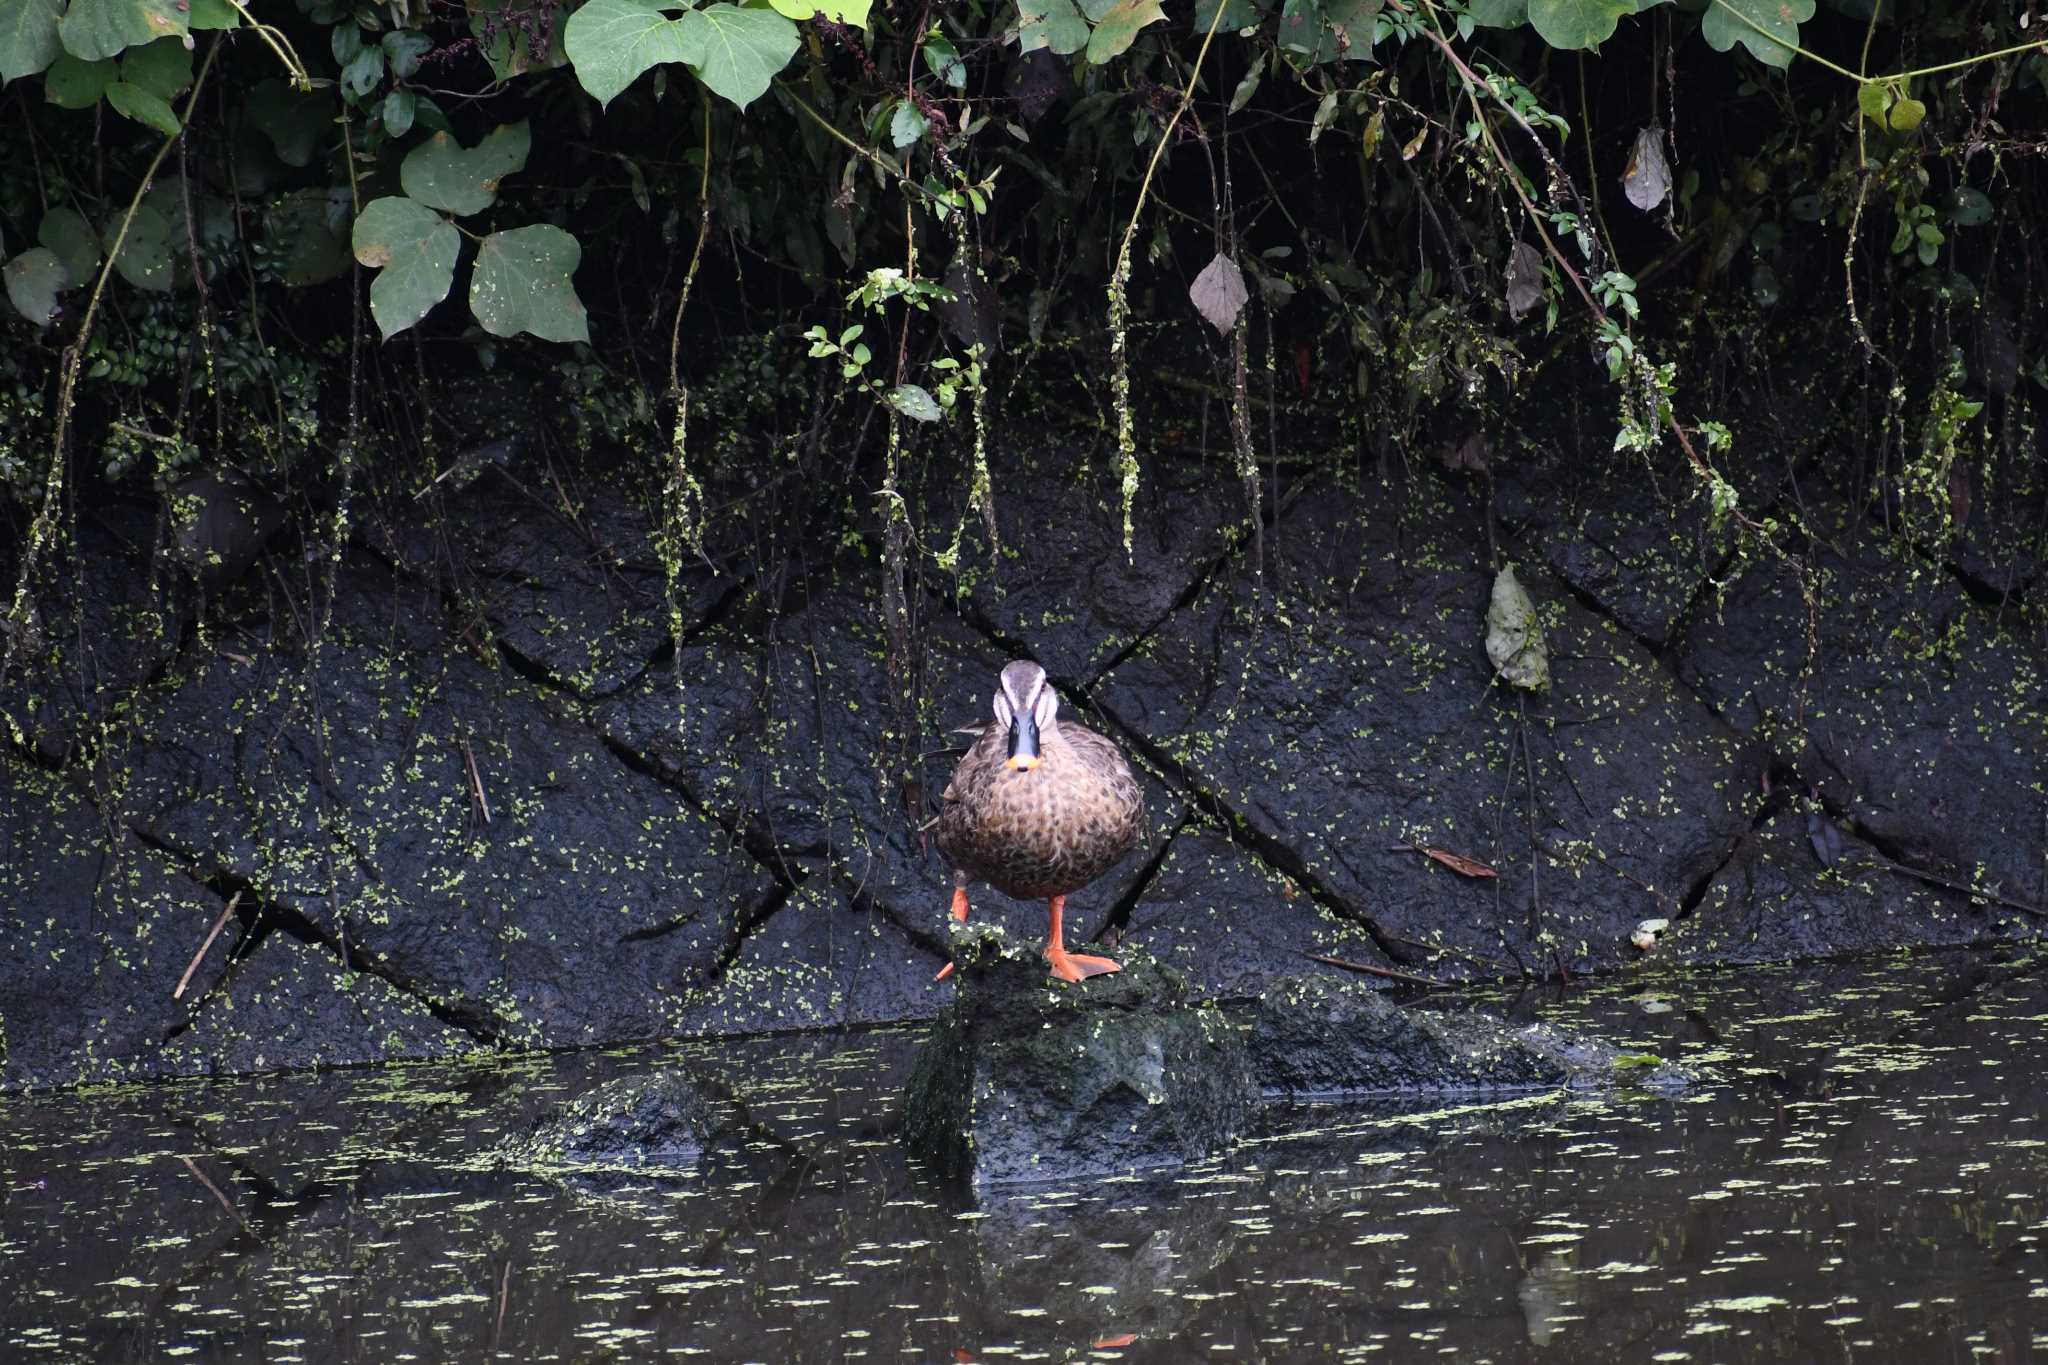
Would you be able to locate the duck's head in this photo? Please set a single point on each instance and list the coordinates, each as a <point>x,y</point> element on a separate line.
<point>1028,707</point>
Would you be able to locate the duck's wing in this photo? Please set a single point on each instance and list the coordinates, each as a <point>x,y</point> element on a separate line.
<point>983,757</point>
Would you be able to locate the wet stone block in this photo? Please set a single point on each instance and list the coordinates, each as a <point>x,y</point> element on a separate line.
<point>1319,1036</point>
<point>1027,1078</point>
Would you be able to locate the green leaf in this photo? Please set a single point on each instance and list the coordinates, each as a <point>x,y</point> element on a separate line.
<point>145,257</point>
<point>1053,24</point>
<point>92,29</point>
<point>412,248</point>
<point>737,51</point>
<point>308,231</point>
<point>76,84</point>
<point>296,122</point>
<point>1325,30</point>
<point>399,107</point>
<point>144,107</point>
<point>213,14</point>
<point>28,36</point>
<point>1723,26</point>
<point>1351,26</point>
<point>1580,24</point>
<point>1326,112</point>
<point>441,174</point>
<point>907,124</point>
<point>524,282</point>
<point>34,279</point>
<point>1237,14</point>
<point>944,60</point>
<point>427,114</point>
<point>611,42</point>
<point>1873,98</point>
<point>163,68</point>
<point>403,51</point>
<point>839,11</point>
<point>500,29</point>
<point>1248,86</point>
<point>65,231</point>
<point>1970,208</point>
<point>213,221</point>
<point>1906,115</point>
<point>363,72</point>
<point>914,402</point>
<point>1499,13</point>
<point>1119,28</point>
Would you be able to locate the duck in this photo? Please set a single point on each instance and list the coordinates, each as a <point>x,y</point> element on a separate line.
<point>1038,808</point>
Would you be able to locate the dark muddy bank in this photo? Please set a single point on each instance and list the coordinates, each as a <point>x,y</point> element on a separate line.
<point>502,804</point>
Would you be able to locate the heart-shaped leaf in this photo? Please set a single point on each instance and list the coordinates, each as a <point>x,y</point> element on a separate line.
<point>1768,28</point>
<point>1119,28</point>
<point>853,12</point>
<point>736,51</point>
<point>1237,14</point>
<point>65,231</point>
<point>163,68</point>
<point>77,84</point>
<point>34,279</point>
<point>28,36</point>
<point>443,174</point>
<point>1578,24</point>
<point>92,29</point>
<point>1053,24</point>
<point>310,233</point>
<point>1498,13</point>
<point>413,249</point>
<point>296,122</point>
<point>523,281</point>
<point>145,257</point>
<point>611,42</point>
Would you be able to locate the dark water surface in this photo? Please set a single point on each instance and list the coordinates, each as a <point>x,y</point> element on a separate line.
<point>1861,1176</point>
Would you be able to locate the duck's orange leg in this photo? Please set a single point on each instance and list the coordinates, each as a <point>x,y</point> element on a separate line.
<point>1071,966</point>
<point>958,912</point>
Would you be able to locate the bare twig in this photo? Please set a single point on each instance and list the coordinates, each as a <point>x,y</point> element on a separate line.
<point>476,782</point>
<point>1366,967</point>
<point>225,1202</point>
<point>214,933</point>
<point>504,1297</point>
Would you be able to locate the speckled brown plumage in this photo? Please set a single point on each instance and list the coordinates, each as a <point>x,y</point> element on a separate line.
<point>1044,832</point>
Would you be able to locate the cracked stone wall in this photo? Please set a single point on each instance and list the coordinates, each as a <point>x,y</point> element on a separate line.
<point>501,805</point>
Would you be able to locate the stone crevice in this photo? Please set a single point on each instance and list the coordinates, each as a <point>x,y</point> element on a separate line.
<point>260,916</point>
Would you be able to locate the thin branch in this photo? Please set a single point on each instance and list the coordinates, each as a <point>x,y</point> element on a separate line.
<point>214,933</point>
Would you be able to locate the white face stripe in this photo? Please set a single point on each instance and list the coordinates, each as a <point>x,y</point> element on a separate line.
<point>1023,682</point>
<point>1047,707</point>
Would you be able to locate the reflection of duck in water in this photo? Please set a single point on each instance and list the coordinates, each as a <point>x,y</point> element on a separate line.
<point>1037,808</point>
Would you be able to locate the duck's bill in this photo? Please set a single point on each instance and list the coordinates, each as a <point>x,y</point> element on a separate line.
<point>1023,743</point>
